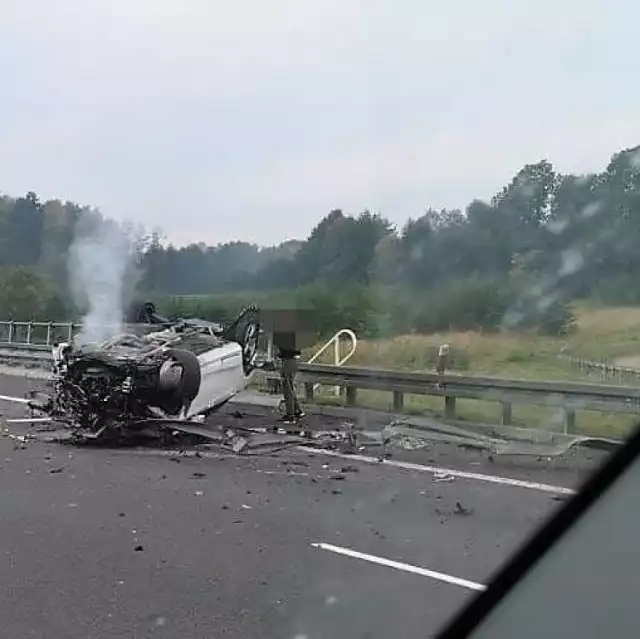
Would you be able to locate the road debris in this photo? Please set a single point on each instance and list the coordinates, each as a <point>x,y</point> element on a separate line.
<point>461,510</point>
<point>55,471</point>
<point>440,477</point>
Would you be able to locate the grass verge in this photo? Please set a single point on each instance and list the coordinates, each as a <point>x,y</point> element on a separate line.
<point>602,334</point>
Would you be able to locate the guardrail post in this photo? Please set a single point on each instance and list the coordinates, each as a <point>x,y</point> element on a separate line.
<point>308,391</point>
<point>569,421</point>
<point>351,395</point>
<point>449,407</point>
<point>506,413</point>
<point>11,330</point>
<point>29,331</point>
<point>49,330</point>
<point>398,401</point>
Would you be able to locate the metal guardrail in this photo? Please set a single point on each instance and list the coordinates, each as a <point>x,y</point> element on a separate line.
<point>36,333</point>
<point>43,335</point>
<point>565,396</point>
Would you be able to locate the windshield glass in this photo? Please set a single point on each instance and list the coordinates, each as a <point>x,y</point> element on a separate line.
<point>407,236</point>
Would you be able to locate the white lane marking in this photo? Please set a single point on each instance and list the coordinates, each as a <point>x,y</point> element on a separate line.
<point>389,563</point>
<point>29,420</point>
<point>462,474</point>
<point>15,400</point>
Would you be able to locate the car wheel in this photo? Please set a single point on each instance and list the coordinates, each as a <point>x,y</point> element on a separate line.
<point>191,374</point>
<point>248,335</point>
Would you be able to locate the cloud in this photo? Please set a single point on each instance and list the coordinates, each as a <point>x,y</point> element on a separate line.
<point>206,117</point>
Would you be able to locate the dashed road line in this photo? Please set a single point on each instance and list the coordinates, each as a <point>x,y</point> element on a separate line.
<point>390,563</point>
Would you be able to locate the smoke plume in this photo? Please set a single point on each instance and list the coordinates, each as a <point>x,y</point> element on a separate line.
<point>99,260</point>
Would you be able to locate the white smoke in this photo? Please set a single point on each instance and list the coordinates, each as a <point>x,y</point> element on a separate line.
<point>99,260</point>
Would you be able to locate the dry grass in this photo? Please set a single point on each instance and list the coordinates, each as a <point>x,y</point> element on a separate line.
<point>602,335</point>
<point>607,334</point>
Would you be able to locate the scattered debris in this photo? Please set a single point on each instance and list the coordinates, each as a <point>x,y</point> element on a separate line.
<point>441,516</point>
<point>238,444</point>
<point>295,462</point>
<point>472,446</point>
<point>139,548</point>
<point>198,493</point>
<point>461,510</point>
<point>336,491</point>
<point>349,469</point>
<point>55,471</point>
<point>198,475</point>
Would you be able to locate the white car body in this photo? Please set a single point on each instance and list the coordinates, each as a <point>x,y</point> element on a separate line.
<point>223,377</point>
<point>176,371</point>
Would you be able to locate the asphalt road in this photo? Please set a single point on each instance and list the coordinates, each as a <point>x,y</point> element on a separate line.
<point>128,544</point>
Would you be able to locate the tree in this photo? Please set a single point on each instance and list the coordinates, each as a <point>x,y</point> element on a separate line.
<point>26,295</point>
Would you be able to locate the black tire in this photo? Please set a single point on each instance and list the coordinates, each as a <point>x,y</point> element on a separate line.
<point>246,332</point>
<point>191,374</point>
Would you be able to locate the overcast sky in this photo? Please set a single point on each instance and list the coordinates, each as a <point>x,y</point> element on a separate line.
<point>251,119</point>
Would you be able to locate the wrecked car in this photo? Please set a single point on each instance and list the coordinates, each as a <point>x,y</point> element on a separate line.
<point>169,371</point>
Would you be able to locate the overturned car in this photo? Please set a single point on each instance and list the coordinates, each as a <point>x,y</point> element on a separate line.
<point>168,371</point>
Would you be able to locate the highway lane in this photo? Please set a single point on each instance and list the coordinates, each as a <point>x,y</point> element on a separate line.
<point>125,543</point>
<point>567,470</point>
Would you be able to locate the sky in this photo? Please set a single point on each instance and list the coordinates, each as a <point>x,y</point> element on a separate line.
<point>250,120</point>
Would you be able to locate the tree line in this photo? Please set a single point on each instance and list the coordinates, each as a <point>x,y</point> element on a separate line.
<point>516,261</point>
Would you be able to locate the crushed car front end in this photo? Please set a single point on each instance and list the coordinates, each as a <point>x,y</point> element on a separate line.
<point>178,372</point>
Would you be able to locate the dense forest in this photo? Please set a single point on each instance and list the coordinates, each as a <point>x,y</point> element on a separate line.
<point>516,261</point>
